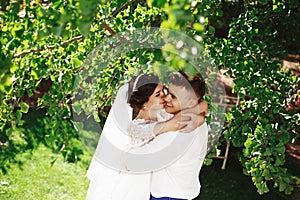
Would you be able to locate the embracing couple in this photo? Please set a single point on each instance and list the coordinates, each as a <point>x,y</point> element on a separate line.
<point>161,116</point>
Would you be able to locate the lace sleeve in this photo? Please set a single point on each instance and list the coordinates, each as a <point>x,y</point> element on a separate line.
<point>141,132</point>
<point>162,116</point>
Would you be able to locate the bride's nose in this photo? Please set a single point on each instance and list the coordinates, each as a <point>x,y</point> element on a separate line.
<point>162,94</point>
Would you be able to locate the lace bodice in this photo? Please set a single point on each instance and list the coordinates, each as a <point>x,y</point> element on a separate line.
<point>141,131</point>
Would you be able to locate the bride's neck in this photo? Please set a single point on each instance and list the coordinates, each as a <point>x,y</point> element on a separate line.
<point>145,114</point>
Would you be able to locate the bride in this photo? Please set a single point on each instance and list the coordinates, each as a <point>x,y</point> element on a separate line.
<point>145,95</point>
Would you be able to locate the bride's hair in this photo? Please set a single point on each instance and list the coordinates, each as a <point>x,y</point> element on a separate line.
<point>140,89</point>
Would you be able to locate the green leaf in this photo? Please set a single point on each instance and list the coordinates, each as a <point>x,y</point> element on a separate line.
<point>77,107</point>
<point>24,107</point>
<point>34,74</point>
<point>211,30</point>
<point>19,115</point>
<point>263,2</point>
<point>279,148</point>
<point>96,117</point>
<point>282,186</point>
<point>266,174</point>
<point>84,28</point>
<point>208,161</point>
<point>138,24</point>
<point>160,3</point>
<point>198,27</point>
<point>263,188</point>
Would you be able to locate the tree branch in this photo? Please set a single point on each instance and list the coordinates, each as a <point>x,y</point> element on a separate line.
<point>123,7</point>
<point>106,27</point>
<point>22,54</point>
<point>112,32</point>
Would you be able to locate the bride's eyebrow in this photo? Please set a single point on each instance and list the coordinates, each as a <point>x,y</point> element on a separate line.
<point>158,92</point>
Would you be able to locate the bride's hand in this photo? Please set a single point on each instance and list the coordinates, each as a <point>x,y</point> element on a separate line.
<point>179,121</point>
<point>195,120</point>
<point>176,123</point>
<point>200,108</point>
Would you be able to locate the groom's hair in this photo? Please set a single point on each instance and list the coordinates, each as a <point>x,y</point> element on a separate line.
<point>196,84</point>
<point>140,89</point>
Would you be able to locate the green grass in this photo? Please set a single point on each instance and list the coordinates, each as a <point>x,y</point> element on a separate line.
<point>38,179</point>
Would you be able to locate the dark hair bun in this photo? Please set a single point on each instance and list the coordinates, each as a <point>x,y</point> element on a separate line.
<point>140,89</point>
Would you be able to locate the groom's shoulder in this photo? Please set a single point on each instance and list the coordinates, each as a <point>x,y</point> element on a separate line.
<point>202,128</point>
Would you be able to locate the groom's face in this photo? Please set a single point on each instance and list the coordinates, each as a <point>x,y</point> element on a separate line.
<point>177,99</point>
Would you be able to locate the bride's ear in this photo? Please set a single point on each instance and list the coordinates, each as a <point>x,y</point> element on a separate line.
<point>145,106</point>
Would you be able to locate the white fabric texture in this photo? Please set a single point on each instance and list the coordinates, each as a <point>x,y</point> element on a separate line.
<point>105,182</point>
<point>109,184</point>
<point>181,179</point>
<point>141,132</point>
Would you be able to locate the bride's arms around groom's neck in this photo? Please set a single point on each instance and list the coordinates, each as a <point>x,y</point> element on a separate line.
<point>185,121</point>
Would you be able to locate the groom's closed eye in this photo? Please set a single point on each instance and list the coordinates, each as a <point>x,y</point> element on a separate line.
<point>172,95</point>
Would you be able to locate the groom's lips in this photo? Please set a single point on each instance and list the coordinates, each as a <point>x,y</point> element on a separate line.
<point>166,105</point>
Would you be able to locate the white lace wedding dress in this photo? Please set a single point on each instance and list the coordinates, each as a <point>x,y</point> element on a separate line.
<point>109,184</point>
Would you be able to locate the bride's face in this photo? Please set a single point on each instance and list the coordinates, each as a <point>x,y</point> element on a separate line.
<point>156,100</point>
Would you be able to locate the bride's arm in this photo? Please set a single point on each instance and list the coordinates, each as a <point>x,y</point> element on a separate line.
<point>185,121</point>
<point>141,132</point>
<point>174,124</point>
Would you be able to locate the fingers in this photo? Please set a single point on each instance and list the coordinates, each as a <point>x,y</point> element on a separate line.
<point>188,128</point>
<point>183,123</point>
<point>185,117</point>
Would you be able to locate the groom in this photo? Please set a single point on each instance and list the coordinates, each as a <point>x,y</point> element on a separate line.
<point>181,179</point>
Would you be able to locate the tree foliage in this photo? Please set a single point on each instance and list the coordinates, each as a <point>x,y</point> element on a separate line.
<point>48,41</point>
